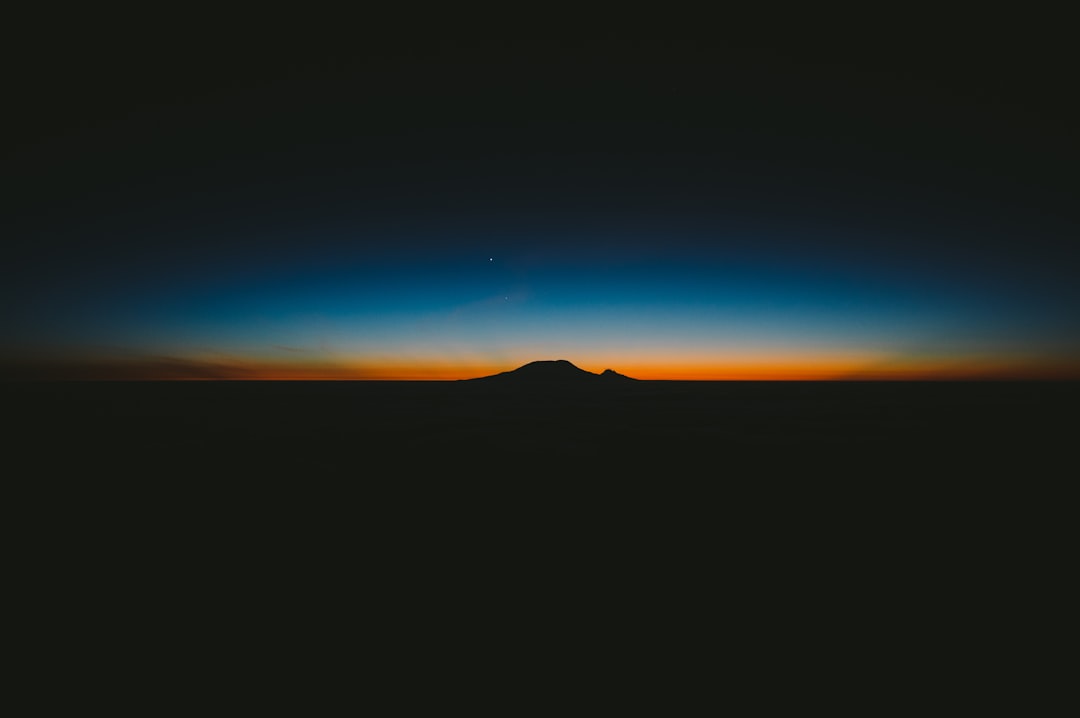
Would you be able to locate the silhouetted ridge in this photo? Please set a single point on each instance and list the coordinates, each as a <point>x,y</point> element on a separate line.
<point>556,371</point>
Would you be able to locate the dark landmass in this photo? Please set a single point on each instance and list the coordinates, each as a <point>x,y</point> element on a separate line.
<point>897,520</point>
<point>547,419</point>
<point>802,458</point>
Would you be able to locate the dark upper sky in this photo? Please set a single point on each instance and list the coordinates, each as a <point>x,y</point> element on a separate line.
<point>869,194</point>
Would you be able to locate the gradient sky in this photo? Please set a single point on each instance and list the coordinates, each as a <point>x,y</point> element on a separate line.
<point>281,199</point>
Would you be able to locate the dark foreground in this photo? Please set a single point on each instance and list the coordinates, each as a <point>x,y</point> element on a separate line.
<point>855,536</point>
<point>428,430</point>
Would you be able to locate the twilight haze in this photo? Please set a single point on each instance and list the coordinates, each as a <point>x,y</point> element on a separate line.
<point>387,201</point>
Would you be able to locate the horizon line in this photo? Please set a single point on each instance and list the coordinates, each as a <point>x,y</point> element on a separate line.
<point>165,368</point>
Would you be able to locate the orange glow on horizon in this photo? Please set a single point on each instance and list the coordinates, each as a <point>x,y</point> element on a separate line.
<point>743,368</point>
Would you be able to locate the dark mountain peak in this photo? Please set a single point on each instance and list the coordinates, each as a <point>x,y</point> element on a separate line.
<point>612,374</point>
<point>549,370</point>
<point>554,371</point>
<point>550,365</point>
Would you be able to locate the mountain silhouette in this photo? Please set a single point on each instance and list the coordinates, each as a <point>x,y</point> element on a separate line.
<point>558,371</point>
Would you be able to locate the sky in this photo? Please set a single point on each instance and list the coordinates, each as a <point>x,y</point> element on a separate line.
<point>195,197</point>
